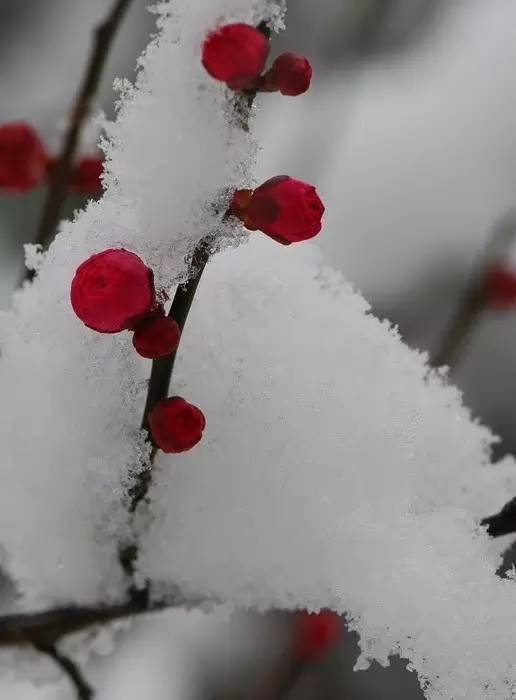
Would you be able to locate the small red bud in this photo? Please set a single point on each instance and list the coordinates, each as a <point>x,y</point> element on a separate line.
<point>23,158</point>
<point>315,633</point>
<point>176,425</point>
<point>112,291</point>
<point>500,287</point>
<point>290,74</point>
<point>86,175</point>
<point>235,54</point>
<point>158,336</point>
<point>285,209</point>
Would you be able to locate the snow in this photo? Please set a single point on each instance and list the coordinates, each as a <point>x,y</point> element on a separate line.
<point>335,471</point>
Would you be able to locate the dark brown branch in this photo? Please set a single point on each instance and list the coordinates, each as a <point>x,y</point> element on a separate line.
<point>47,627</point>
<point>159,383</point>
<point>61,169</point>
<point>473,301</point>
<point>70,669</point>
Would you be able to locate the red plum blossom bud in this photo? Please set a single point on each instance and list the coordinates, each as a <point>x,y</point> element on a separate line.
<point>23,158</point>
<point>112,291</point>
<point>176,425</point>
<point>157,336</point>
<point>291,74</point>
<point>235,54</point>
<point>285,209</point>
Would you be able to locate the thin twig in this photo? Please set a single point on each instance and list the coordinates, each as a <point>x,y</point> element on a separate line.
<point>159,383</point>
<point>62,167</point>
<point>473,302</point>
<point>70,669</point>
<point>48,626</point>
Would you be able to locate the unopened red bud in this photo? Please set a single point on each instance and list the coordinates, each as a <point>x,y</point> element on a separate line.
<point>315,633</point>
<point>156,337</point>
<point>291,74</point>
<point>86,175</point>
<point>176,425</point>
<point>500,287</point>
<point>112,291</point>
<point>235,54</point>
<point>285,209</point>
<point>23,158</point>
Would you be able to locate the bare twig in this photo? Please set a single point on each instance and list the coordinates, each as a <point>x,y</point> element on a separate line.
<point>61,169</point>
<point>159,383</point>
<point>47,627</point>
<point>70,669</point>
<point>473,301</point>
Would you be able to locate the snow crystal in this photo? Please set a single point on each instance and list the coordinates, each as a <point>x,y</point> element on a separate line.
<point>335,471</point>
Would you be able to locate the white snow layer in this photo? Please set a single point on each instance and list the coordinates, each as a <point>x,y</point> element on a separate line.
<point>335,471</point>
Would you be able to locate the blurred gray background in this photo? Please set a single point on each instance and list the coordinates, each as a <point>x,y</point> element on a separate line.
<point>409,133</point>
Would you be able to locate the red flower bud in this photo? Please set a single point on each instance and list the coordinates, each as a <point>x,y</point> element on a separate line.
<point>315,633</point>
<point>500,287</point>
<point>285,209</point>
<point>176,425</point>
<point>86,175</point>
<point>157,336</point>
<point>112,291</point>
<point>235,54</point>
<point>23,159</point>
<point>290,74</point>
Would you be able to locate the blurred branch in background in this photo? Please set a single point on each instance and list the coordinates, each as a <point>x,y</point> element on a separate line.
<point>475,298</point>
<point>61,170</point>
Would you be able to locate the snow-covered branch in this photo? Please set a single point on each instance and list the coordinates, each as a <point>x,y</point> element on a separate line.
<point>336,469</point>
